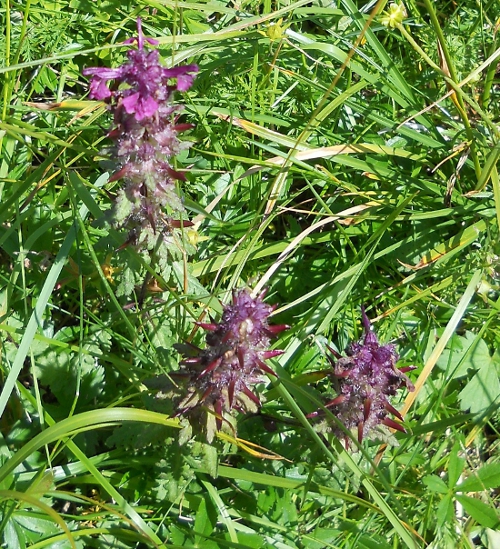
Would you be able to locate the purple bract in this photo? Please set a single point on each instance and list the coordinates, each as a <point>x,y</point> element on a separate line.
<point>222,376</point>
<point>365,380</point>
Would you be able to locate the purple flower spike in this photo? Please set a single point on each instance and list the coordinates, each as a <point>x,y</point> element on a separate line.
<point>365,380</point>
<point>139,95</point>
<point>148,82</point>
<point>222,377</point>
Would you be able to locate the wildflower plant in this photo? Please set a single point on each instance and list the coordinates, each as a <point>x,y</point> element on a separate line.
<point>365,381</point>
<point>223,376</point>
<point>146,127</point>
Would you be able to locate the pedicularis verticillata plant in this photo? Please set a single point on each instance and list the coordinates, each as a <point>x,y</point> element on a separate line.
<point>222,377</point>
<point>365,380</point>
<point>145,133</point>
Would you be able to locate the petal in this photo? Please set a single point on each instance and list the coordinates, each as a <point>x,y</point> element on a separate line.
<point>146,108</point>
<point>175,72</point>
<point>184,82</point>
<point>103,72</point>
<point>390,408</point>
<point>361,426</point>
<point>265,368</point>
<point>130,102</point>
<point>99,90</point>
<point>271,354</point>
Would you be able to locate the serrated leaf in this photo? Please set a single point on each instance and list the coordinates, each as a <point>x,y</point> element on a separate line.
<point>209,458</point>
<point>13,538</point>
<point>444,511</point>
<point>137,436</point>
<point>483,479</point>
<point>178,536</point>
<point>35,525</point>
<point>250,540</point>
<point>435,484</point>
<point>480,354</point>
<point>59,371</point>
<point>483,514</point>
<point>162,337</point>
<point>482,391</point>
<point>194,287</point>
<point>205,521</point>
<point>455,466</point>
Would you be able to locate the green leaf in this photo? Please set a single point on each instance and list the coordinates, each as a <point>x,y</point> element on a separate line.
<point>85,421</point>
<point>173,474</point>
<point>14,536</point>
<point>455,466</point>
<point>80,186</point>
<point>482,391</point>
<point>486,478</point>
<point>464,353</point>
<point>205,521</point>
<point>369,542</point>
<point>209,458</point>
<point>482,513</point>
<point>444,511</point>
<point>435,484</point>
<point>320,538</point>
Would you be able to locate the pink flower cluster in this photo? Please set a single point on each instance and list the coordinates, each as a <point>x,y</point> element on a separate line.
<point>139,95</point>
